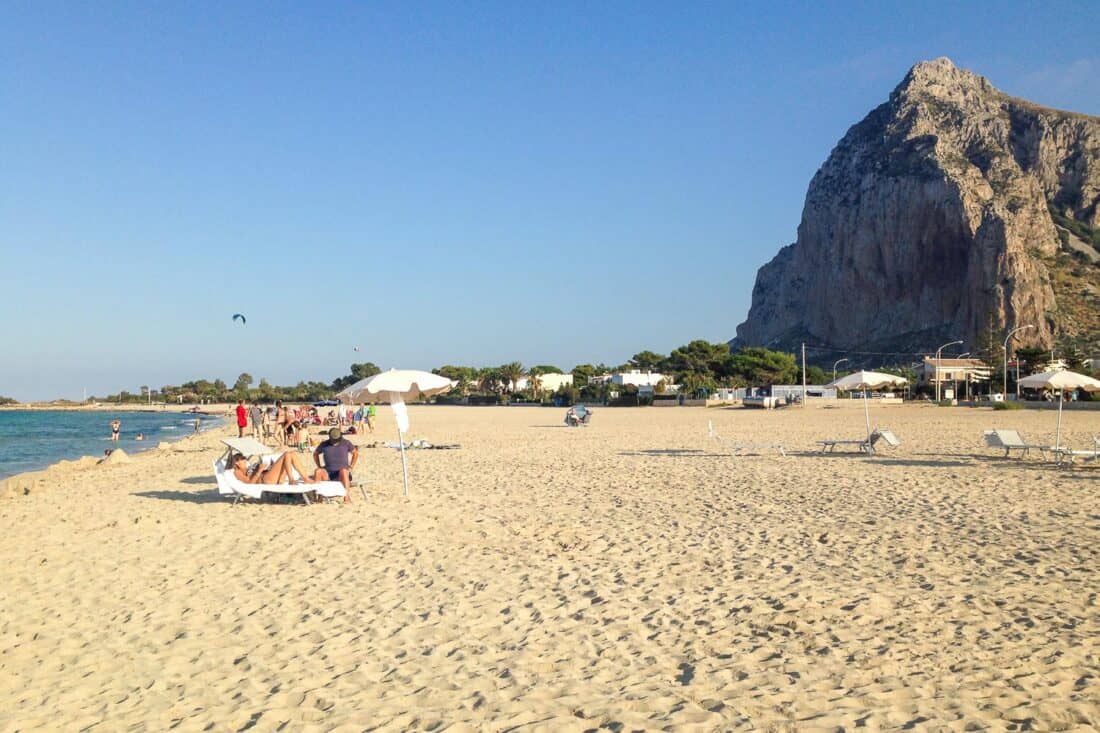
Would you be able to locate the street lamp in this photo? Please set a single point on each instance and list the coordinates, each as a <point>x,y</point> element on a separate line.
<point>1005,347</point>
<point>949,343</point>
<point>966,374</point>
<point>838,361</point>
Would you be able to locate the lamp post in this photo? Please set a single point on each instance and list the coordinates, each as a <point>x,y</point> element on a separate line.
<point>949,343</point>
<point>838,361</point>
<point>1005,347</point>
<point>966,375</point>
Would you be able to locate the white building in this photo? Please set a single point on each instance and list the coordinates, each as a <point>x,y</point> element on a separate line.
<point>639,378</point>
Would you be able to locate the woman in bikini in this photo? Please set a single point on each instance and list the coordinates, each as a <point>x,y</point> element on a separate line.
<point>278,472</point>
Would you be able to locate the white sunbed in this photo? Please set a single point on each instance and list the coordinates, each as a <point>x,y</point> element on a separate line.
<point>230,485</point>
<point>864,445</point>
<point>1011,440</point>
<point>1068,455</point>
<point>741,448</point>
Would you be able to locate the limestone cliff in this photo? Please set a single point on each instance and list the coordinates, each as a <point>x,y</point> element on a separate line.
<point>946,206</point>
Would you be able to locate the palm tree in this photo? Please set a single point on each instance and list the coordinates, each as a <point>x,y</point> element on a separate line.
<point>511,373</point>
<point>488,380</point>
<point>534,383</point>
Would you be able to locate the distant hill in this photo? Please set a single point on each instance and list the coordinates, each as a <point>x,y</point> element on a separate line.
<point>950,207</point>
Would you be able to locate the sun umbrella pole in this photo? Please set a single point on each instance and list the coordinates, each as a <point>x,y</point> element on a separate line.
<point>1058,429</point>
<point>867,415</point>
<point>401,417</point>
<point>404,463</point>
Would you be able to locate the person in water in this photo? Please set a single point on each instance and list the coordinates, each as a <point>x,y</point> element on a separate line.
<point>116,427</point>
<point>279,471</point>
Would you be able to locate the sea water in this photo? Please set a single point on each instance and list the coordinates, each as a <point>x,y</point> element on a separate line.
<point>33,439</point>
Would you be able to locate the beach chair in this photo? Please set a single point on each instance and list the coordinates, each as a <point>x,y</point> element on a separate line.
<point>865,445</point>
<point>742,448</point>
<point>1068,455</point>
<point>1011,440</point>
<point>230,485</point>
<point>579,416</point>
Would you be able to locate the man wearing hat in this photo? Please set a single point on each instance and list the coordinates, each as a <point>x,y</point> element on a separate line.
<point>335,458</point>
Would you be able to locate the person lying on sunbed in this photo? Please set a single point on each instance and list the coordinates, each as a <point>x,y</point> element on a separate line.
<point>278,471</point>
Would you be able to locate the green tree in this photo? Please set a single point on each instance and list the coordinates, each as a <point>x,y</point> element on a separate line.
<point>1075,360</point>
<point>490,381</point>
<point>534,385</point>
<point>511,373</point>
<point>816,375</point>
<point>269,393</point>
<point>1032,359</point>
<point>758,367</point>
<point>649,361</point>
<point>466,377</point>
<point>581,374</point>
<point>240,387</point>
<point>358,372</point>
<point>544,369</point>
<point>989,349</point>
<point>709,361</point>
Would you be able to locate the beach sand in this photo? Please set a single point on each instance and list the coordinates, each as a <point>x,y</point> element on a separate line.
<point>628,575</point>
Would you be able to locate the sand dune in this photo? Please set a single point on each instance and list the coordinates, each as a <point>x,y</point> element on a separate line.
<point>628,575</point>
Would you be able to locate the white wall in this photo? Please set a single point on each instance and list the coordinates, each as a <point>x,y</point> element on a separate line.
<point>639,378</point>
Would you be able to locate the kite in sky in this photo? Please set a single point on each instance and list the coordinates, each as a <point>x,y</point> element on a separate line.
<point>241,316</point>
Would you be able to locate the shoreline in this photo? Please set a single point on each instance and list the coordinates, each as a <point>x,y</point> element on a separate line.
<point>210,409</point>
<point>22,479</point>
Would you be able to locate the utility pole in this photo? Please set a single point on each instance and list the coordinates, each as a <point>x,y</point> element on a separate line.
<point>1005,347</point>
<point>803,374</point>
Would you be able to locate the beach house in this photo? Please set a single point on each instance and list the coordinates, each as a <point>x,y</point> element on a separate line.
<point>950,373</point>
<point>646,382</point>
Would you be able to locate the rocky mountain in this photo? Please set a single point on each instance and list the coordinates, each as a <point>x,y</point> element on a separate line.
<point>947,210</point>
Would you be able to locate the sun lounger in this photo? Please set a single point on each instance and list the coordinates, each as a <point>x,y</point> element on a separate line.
<point>1011,440</point>
<point>230,485</point>
<point>1069,455</point>
<point>244,446</point>
<point>865,446</point>
<point>741,448</point>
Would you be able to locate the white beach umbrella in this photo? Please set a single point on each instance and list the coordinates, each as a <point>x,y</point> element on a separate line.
<point>1060,380</point>
<point>864,381</point>
<point>396,386</point>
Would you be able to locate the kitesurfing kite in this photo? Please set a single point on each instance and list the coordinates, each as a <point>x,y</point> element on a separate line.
<point>241,316</point>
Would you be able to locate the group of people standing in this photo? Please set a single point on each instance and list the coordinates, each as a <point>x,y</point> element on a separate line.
<point>290,427</point>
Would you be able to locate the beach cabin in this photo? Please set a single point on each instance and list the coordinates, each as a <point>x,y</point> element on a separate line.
<point>970,374</point>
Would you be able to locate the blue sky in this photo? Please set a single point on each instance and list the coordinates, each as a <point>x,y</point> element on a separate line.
<point>467,183</point>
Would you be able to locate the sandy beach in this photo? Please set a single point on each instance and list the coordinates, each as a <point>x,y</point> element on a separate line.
<point>625,576</point>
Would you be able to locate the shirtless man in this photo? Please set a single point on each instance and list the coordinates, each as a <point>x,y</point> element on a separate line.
<point>280,422</point>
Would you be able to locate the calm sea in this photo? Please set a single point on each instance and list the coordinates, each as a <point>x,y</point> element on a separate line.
<point>33,439</point>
